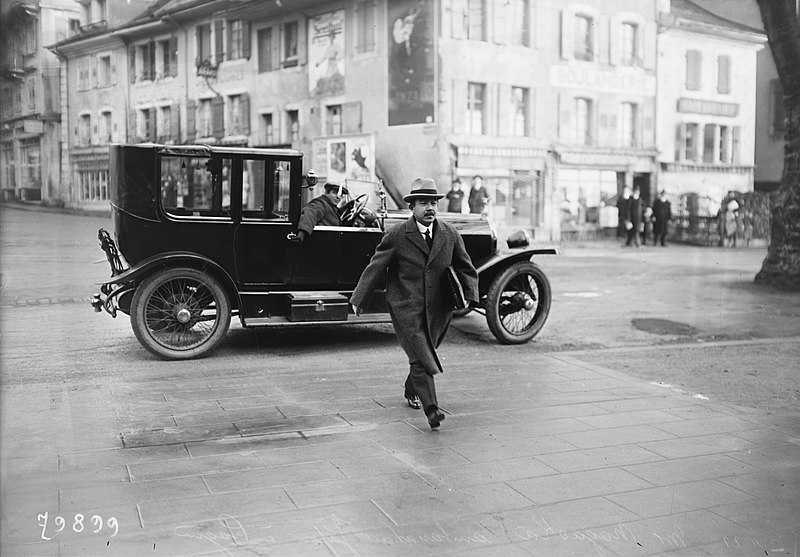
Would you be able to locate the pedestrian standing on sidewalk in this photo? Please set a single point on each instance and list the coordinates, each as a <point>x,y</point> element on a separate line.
<point>414,258</point>
<point>622,211</point>
<point>662,212</point>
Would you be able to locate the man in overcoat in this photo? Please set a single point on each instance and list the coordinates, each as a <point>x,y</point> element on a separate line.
<point>414,257</point>
<point>662,212</point>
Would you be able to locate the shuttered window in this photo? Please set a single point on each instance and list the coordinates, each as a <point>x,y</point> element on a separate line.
<point>475,122</point>
<point>265,50</point>
<point>694,67</point>
<point>365,26</point>
<point>204,43</point>
<point>724,74</point>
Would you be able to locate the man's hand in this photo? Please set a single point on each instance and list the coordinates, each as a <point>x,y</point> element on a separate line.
<point>296,238</point>
<point>356,309</point>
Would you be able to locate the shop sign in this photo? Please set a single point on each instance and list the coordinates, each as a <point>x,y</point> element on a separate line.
<point>711,108</point>
<point>599,80</point>
<point>206,69</point>
<point>32,126</point>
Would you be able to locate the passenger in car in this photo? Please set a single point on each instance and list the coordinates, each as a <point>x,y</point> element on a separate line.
<point>322,210</point>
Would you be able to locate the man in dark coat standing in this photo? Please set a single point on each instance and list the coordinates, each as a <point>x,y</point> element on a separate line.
<point>322,210</point>
<point>634,216</point>
<point>414,258</point>
<point>662,212</point>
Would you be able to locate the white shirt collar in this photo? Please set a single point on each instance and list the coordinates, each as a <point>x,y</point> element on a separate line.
<point>422,228</point>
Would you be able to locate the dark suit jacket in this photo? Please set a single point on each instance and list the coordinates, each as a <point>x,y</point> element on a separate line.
<point>417,292</point>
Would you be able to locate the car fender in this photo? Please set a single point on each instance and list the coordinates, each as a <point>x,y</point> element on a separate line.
<point>147,266</point>
<point>494,265</point>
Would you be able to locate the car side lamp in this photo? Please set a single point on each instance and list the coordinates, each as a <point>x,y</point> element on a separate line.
<point>519,239</point>
<point>311,178</point>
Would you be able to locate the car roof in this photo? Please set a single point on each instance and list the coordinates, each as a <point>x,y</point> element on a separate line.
<point>208,150</point>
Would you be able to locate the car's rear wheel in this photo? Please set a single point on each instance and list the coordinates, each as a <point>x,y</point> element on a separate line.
<point>180,313</point>
<point>518,303</point>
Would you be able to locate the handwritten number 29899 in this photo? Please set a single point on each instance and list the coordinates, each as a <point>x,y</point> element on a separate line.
<point>79,524</point>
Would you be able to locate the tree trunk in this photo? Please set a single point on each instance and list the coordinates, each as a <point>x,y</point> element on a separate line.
<point>781,267</point>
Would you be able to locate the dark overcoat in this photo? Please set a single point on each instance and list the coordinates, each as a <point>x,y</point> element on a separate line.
<point>417,293</point>
<point>319,211</point>
<point>662,211</point>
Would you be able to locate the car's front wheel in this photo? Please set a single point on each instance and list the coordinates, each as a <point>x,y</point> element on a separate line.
<point>518,303</point>
<point>180,313</point>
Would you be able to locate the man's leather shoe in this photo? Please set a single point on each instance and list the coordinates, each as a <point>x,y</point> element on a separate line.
<point>435,417</point>
<point>414,402</point>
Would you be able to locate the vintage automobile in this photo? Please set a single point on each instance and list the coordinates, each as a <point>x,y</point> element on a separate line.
<point>201,233</point>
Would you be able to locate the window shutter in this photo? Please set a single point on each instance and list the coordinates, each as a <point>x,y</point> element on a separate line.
<point>502,22</point>
<point>228,40</point>
<point>614,36</point>
<point>459,105</point>
<point>217,117</point>
<point>94,73</point>
<point>693,69</point>
<point>191,117</point>
<point>218,41</point>
<point>504,110</point>
<point>680,142</point>
<point>153,135</point>
<point>173,56</point>
<point>540,26</point>
<point>648,43</point>
<point>567,42</point>
<point>565,107</point>
<point>457,17</point>
<point>113,76</point>
<point>133,137</point>
<point>736,145</point>
<point>351,117</point>
<point>302,52</point>
<point>175,122</point>
<point>723,74</point>
<point>601,30</point>
<point>132,63</point>
<point>246,39</point>
<point>244,107</point>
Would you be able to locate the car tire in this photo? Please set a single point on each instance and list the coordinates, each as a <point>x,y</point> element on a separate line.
<point>518,303</point>
<point>180,313</point>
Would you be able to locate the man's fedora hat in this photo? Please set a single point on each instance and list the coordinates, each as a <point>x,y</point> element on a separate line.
<point>423,188</point>
<point>334,186</point>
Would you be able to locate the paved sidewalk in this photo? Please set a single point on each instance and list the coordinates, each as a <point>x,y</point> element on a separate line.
<point>555,457</point>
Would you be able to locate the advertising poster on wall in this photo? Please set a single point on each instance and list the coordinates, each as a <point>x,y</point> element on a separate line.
<point>326,54</point>
<point>348,159</point>
<point>411,59</point>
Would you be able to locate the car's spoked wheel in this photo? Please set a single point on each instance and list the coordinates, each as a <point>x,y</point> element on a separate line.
<point>180,313</point>
<point>518,303</point>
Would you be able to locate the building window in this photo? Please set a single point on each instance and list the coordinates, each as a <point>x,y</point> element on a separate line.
<point>365,26</point>
<point>105,127</point>
<point>204,45</point>
<point>630,40</point>
<point>236,115</point>
<point>93,185</point>
<point>777,115</point>
<point>583,121</point>
<point>725,144</point>
<point>584,37</point>
<point>476,106</point>
<point>147,56</point>
<point>694,67</point>
<point>146,128</point>
<point>235,39</point>
<point>104,71</point>
<point>723,74</point>
<point>519,111</point>
<point>269,130</point>
<point>265,50</point>
<point>9,165</point>
<point>102,10</point>
<point>469,19</point>
<point>164,124</point>
<point>85,130</point>
<point>84,73</point>
<point>204,122</point>
<point>290,42</point>
<point>628,125</point>
<point>710,143</point>
<point>333,124</point>
<point>293,125</point>
<point>691,142</point>
<point>169,57</point>
<point>520,21</point>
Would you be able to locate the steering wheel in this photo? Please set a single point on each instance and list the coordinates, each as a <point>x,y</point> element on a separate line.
<point>352,209</point>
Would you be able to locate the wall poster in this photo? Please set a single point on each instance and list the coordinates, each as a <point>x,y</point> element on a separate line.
<point>326,54</point>
<point>411,62</point>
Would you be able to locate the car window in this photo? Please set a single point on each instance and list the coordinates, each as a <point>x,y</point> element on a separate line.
<point>196,186</point>
<point>265,189</point>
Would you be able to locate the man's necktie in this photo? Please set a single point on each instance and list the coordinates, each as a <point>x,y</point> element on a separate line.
<point>428,238</point>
